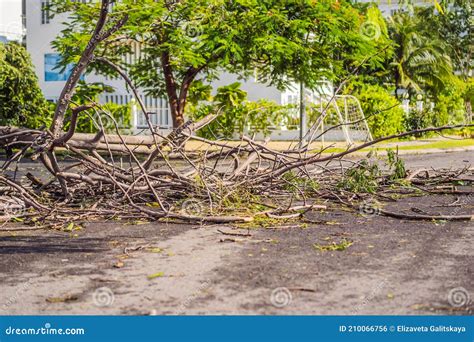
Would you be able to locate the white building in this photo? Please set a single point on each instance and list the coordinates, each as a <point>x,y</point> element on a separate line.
<point>11,28</point>
<point>41,30</point>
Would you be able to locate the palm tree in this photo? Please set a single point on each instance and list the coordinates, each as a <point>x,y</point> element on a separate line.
<point>421,61</point>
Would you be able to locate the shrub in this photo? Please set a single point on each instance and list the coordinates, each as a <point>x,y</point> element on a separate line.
<point>449,108</point>
<point>416,119</point>
<point>90,122</point>
<point>382,110</point>
<point>238,114</point>
<point>21,100</point>
<point>446,108</point>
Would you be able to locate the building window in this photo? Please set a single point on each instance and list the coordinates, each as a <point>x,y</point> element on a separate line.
<point>45,15</point>
<point>53,71</point>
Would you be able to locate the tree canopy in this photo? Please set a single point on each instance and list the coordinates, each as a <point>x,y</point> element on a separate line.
<point>421,60</point>
<point>453,21</point>
<point>169,45</point>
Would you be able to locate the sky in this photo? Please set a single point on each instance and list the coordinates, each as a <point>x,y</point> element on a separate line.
<point>10,18</point>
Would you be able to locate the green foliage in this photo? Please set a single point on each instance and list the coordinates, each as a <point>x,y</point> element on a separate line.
<point>375,28</point>
<point>452,20</point>
<point>199,92</point>
<point>416,119</point>
<point>421,61</point>
<point>238,114</point>
<point>379,25</point>
<point>89,92</point>
<point>362,178</point>
<point>447,108</point>
<point>396,165</point>
<point>313,112</point>
<point>187,44</point>
<point>21,100</point>
<point>108,115</point>
<point>285,41</point>
<point>299,185</point>
<point>230,96</point>
<point>468,93</point>
<point>435,52</point>
<point>382,110</point>
<point>241,200</point>
<point>450,104</point>
<point>334,246</point>
<point>366,176</point>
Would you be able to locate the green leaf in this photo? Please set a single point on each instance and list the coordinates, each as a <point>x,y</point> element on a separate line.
<point>156,275</point>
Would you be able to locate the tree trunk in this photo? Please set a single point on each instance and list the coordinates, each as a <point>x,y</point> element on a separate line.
<point>177,114</point>
<point>468,105</point>
<point>397,84</point>
<point>178,119</point>
<point>177,99</point>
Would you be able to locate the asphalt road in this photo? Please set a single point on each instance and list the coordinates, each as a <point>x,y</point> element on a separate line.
<point>392,266</point>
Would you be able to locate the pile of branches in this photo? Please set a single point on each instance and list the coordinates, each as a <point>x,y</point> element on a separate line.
<point>221,183</point>
<point>153,177</point>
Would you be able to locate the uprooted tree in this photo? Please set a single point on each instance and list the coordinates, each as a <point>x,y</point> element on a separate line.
<point>107,176</point>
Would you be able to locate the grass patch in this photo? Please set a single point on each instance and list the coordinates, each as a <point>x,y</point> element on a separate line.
<point>341,246</point>
<point>417,145</point>
<point>442,144</point>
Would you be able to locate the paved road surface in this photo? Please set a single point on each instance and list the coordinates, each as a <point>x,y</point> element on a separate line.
<point>393,267</point>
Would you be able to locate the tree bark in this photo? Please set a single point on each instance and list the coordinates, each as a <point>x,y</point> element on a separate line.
<point>79,68</point>
<point>87,56</point>
<point>172,91</point>
<point>468,105</point>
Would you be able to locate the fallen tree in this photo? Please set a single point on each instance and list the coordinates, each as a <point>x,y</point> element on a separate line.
<point>105,177</point>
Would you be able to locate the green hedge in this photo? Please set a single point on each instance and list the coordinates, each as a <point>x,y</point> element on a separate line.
<point>238,114</point>
<point>21,100</point>
<point>384,113</point>
<point>89,121</point>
